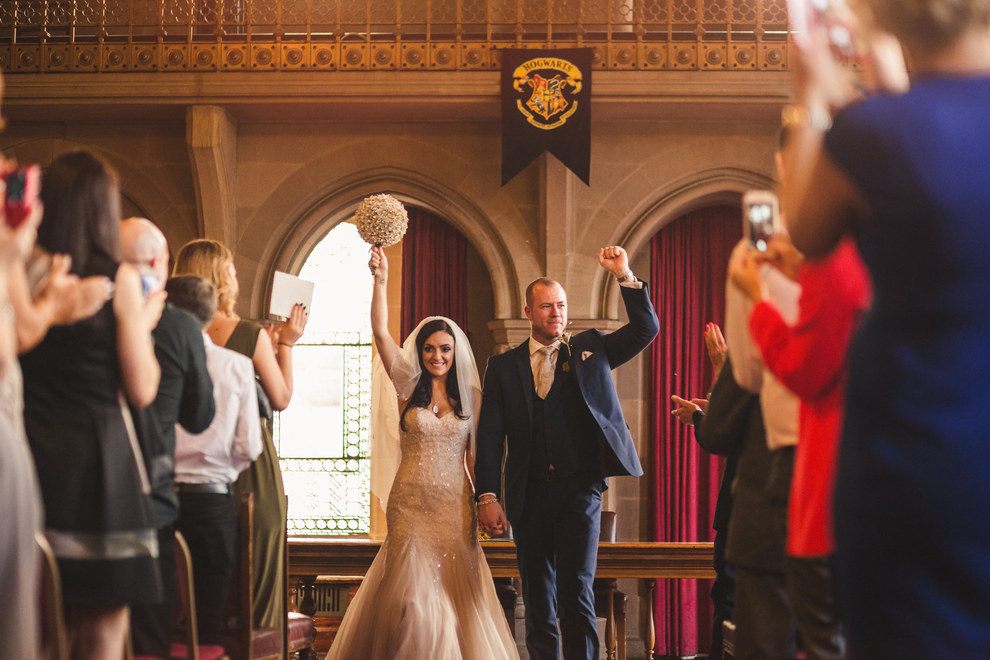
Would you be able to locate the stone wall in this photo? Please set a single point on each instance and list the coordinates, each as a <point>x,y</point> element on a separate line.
<point>270,162</point>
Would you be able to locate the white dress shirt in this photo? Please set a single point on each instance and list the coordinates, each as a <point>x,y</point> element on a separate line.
<point>779,405</point>
<point>233,439</point>
<point>536,359</point>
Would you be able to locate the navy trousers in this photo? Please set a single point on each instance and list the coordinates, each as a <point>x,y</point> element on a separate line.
<point>557,552</point>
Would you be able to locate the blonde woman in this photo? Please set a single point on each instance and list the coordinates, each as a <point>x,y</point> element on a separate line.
<point>271,353</point>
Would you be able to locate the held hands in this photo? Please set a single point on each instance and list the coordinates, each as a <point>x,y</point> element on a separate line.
<point>91,294</point>
<point>614,259</point>
<point>685,409</point>
<point>378,265</point>
<point>883,64</point>
<point>823,81</point>
<point>491,519</point>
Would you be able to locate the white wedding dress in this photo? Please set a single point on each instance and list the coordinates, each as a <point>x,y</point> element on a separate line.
<point>429,593</point>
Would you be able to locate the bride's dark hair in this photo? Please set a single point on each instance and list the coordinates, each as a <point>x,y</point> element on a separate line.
<point>422,394</point>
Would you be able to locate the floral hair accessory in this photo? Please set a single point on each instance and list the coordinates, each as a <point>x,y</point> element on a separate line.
<point>381,220</point>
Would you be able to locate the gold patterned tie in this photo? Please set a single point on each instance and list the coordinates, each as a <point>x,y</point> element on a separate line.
<point>545,373</point>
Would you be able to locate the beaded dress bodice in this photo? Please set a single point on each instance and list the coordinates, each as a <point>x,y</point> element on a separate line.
<point>430,502</point>
<point>429,593</point>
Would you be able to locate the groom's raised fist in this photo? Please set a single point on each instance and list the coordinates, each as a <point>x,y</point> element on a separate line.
<point>614,259</point>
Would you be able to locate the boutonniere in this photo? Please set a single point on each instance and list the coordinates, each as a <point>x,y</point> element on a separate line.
<point>565,351</point>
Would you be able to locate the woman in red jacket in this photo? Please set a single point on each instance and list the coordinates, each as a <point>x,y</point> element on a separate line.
<point>809,358</point>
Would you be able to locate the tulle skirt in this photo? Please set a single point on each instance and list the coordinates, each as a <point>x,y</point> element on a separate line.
<point>416,604</point>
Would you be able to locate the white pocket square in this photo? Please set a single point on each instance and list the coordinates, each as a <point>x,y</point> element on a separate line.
<point>585,355</point>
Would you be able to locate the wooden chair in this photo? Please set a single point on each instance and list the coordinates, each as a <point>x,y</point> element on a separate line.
<point>728,639</point>
<point>185,642</point>
<point>54,640</point>
<point>185,604</point>
<point>243,641</point>
<point>610,603</point>
<point>299,633</point>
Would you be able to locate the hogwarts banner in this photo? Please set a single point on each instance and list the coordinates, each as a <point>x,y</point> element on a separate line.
<point>546,106</point>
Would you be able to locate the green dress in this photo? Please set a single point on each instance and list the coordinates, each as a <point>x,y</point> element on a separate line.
<point>264,479</point>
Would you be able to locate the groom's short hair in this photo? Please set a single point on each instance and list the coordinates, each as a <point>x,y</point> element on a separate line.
<point>539,281</point>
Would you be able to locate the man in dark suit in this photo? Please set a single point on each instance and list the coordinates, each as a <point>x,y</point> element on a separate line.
<point>185,396</point>
<point>550,406</point>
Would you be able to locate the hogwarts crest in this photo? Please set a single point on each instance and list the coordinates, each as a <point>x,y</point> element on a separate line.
<point>552,82</point>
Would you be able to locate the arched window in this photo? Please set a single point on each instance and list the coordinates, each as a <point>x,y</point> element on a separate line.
<point>322,438</point>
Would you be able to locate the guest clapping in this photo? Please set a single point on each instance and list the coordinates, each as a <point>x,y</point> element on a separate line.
<point>77,384</point>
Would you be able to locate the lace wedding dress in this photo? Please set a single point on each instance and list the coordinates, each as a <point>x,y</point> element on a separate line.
<point>429,593</point>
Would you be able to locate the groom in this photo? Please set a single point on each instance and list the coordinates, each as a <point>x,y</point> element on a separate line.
<point>550,405</point>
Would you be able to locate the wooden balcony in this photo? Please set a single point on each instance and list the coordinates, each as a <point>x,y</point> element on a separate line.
<point>390,35</point>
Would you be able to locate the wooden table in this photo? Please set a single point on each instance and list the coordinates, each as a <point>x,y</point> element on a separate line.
<point>313,557</point>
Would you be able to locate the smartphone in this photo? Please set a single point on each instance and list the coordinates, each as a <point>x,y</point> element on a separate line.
<point>21,193</point>
<point>760,217</point>
<point>804,15</point>
<point>149,285</point>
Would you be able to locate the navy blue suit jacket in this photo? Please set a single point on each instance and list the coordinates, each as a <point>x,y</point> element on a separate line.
<point>505,425</point>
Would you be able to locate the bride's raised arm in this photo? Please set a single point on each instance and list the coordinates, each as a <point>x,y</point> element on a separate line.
<point>403,370</point>
<point>388,350</point>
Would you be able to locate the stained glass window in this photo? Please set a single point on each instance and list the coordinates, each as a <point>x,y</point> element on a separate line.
<point>322,438</point>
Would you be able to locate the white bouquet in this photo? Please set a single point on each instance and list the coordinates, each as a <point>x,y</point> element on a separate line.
<point>381,220</point>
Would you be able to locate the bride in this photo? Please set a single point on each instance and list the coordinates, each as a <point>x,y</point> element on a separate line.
<point>429,593</point>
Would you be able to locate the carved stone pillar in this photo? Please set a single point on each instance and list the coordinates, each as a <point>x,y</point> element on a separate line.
<point>559,255</point>
<point>211,138</point>
<point>556,218</point>
<point>508,333</point>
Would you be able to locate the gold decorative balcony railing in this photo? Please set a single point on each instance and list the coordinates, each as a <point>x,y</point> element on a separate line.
<point>236,35</point>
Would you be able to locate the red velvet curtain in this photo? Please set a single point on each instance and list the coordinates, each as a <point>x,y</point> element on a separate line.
<point>688,260</point>
<point>433,271</point>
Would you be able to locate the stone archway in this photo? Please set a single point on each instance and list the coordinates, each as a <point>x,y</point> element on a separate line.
<point>336,203</point>
<point>706,188</point>
<point>141,191</point>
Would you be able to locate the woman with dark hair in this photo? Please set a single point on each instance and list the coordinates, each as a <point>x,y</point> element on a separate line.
<point>429,593</point>
<point>422,395</point>
<point>78,385</point>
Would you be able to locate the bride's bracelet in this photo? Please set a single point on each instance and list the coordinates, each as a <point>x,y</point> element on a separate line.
<point>490,500</point>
